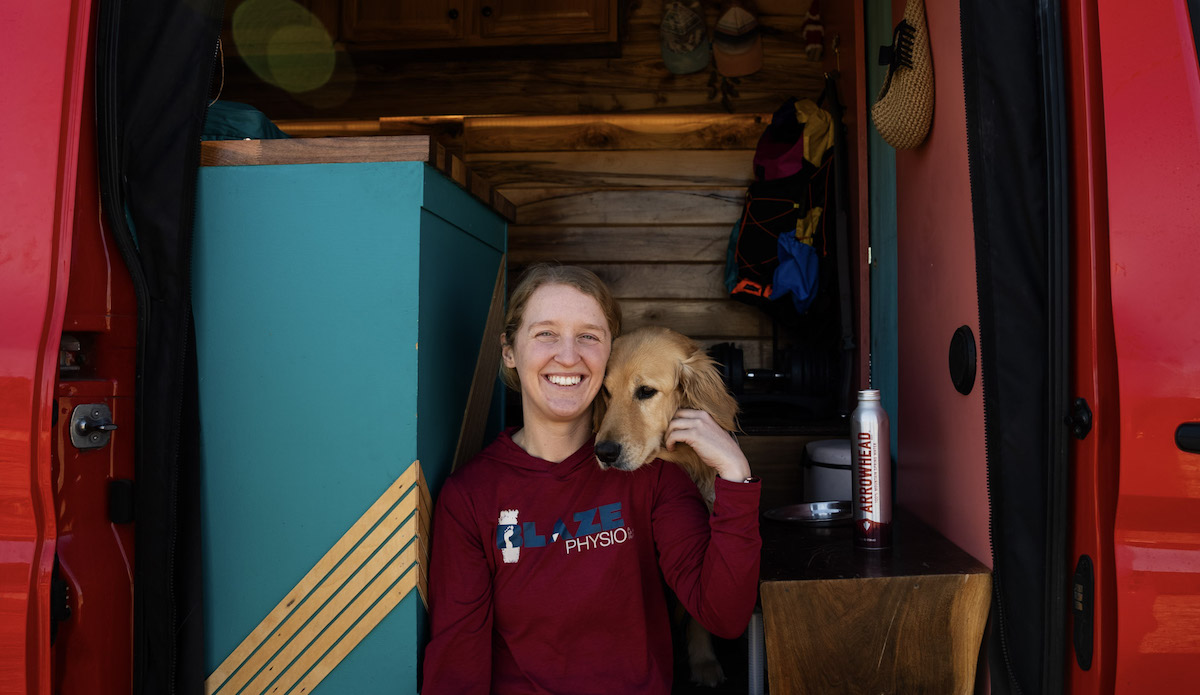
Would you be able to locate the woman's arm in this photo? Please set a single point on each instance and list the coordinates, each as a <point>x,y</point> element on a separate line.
<point>710,562</point>
<point>458,658</point>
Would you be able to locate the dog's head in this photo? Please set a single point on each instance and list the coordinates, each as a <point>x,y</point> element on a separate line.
<point>652,372</point>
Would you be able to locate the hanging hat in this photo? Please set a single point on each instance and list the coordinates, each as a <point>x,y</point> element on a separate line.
<point>737,46</point>
<point>799,131</point>
<point>903,112</point>
<point>685,45</point>
<point>813,32</point>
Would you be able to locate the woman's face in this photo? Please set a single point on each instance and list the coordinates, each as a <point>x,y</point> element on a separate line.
<point>560,351</point>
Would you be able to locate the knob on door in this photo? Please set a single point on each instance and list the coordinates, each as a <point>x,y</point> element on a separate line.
<point>486,11</point>
<point>452,14</point>
<point>1187,437</point>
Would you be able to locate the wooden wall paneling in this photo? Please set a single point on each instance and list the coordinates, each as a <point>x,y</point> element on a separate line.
<point>662,243</point>
<point>580,206</point>
<point>629,84</point>
<point>641,89</point>
<point>649,168</point>
<point>369,87</point>
<point>329,127</point>
<point>777,459</point>
<point>698,318</point>
<point>765,8</point>
<point>782,30</point>
<point>657,280</point>
<point>373,84</point>
<point>614,132</point>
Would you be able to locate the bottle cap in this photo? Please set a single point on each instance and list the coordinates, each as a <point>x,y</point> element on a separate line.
<point>868,395</point>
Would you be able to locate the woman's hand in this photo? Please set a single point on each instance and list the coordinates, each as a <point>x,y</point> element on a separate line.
<point>716,447</point>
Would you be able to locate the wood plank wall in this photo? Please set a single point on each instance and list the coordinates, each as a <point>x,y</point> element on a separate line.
<point>555,81</point>
<point>645,201</point>
<point>613,163</point>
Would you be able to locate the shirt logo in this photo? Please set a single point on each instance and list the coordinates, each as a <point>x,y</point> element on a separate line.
<point>504,535</point>
<point>598,527</point>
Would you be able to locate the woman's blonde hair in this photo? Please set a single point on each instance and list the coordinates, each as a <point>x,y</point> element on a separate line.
<point>536,276</point>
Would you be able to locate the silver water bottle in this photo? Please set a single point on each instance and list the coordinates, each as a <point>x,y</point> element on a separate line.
<point>871,472</point>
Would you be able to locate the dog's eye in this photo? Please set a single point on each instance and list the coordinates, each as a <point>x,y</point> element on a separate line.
<point>644,392</point>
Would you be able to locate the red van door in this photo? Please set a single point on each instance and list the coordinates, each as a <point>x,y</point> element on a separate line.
<point>1151,95</point>
<point>45,51</point>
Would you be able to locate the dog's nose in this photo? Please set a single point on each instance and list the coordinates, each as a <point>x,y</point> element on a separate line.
<point>608,452</point>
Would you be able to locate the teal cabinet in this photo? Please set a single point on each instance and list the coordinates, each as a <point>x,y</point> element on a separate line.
<point>339,310</point>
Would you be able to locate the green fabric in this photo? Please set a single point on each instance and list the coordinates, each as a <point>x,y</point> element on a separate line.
<point>229,120</point>
<point>731,270</point>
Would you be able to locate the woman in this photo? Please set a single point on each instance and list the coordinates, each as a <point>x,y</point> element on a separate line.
<point>546,570</point>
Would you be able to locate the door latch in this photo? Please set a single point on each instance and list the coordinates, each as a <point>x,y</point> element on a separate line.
<point>1080,418</point>
<point>91,426</point>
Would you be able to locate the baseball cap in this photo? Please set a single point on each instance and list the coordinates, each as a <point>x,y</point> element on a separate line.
<point>685,45</point>
<point>737,46</point>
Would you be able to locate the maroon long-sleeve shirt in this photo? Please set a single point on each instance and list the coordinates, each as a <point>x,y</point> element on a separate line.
<point>547,577</point>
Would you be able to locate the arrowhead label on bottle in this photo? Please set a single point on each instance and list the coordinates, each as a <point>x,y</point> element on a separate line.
<point>871,483</point>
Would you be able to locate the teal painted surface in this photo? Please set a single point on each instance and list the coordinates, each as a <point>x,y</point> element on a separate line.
<point>884,269</point>
<point>386,661</point>
<point>485,239</point>
<point>446,200</point>
<point>458,272</point>
<point>308,285</point>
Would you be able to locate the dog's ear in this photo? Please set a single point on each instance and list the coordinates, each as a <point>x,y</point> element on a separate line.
<point>599,408</point>
<point>703,389</point>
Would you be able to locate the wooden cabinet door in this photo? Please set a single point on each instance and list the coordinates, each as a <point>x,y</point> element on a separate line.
<point>571,20</point>
<point>396,22</point>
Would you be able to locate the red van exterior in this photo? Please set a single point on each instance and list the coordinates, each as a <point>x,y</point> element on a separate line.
<point>1137,485</point>
<point>68,338</point>
<point>46,51</point>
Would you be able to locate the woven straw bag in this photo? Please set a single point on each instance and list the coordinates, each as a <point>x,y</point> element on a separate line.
<point>904,110</point>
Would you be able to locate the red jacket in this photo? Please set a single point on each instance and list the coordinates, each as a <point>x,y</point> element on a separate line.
<point>547,577</point>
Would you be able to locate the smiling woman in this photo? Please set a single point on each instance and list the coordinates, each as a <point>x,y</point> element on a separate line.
<point>534,278</point>
<point>536,546</point>
<point>558,352</point>
<point>557,335</point>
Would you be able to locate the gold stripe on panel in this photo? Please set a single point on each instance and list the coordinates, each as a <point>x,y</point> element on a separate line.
<point>389,601</point>
<point>318,644</point>
<point>325,577</point>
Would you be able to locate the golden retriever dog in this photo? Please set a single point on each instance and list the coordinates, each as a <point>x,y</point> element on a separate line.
<point>652,372</point>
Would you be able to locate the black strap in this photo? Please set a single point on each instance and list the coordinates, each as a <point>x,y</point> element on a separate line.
<point>841,205</point>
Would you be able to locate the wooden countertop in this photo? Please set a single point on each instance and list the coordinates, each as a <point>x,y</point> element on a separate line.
<point>343,150</point>
<point>800,551</point>
<point>839,620</point>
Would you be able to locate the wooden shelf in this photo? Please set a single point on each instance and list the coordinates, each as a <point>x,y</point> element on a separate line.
<point>400,148</point>
<point>837,619</point>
